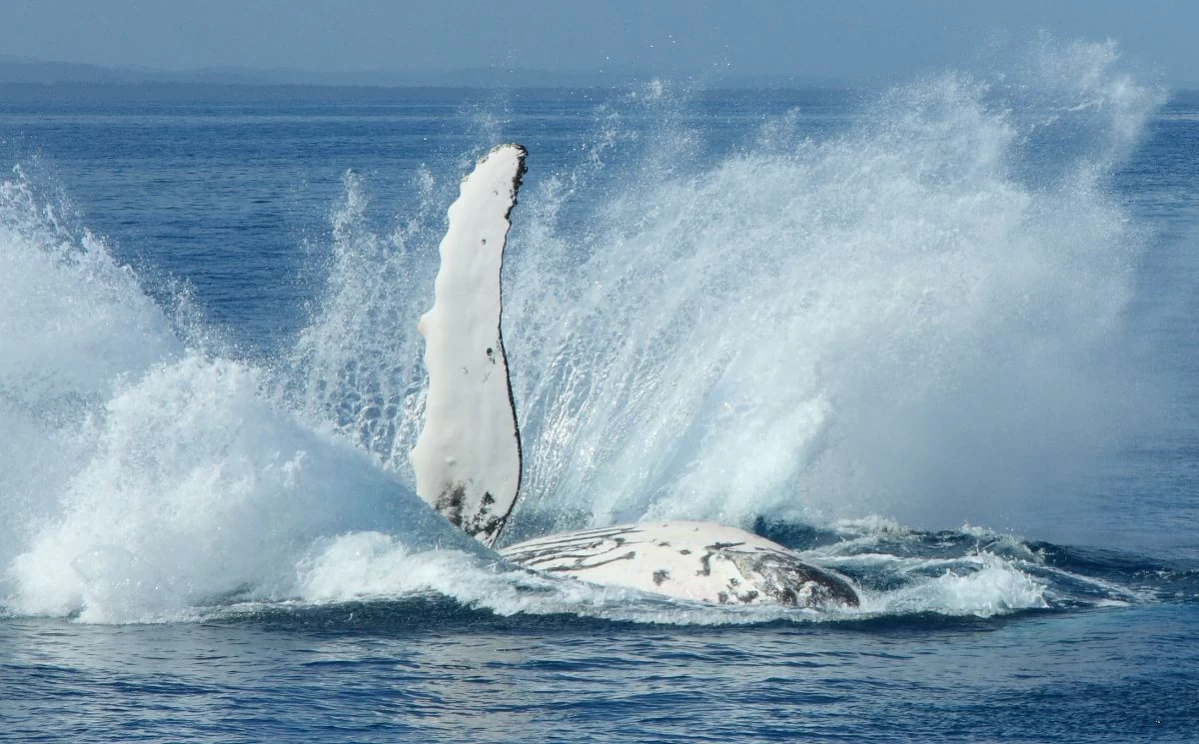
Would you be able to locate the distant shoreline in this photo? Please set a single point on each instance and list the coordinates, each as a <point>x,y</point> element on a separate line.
<point>32,80</point>
<point>68,93</point>
<point>34,72</point>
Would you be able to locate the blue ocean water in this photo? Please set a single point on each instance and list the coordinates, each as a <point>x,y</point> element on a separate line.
<point>938,337</point>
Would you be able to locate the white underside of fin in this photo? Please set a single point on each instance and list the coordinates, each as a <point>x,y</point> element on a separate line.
<point>467,459</point>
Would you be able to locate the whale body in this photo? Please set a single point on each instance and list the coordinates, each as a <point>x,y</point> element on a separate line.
<point>467,459</point>
<point>697,561</point>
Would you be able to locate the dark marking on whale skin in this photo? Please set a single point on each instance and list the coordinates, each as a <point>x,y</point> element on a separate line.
<point>626,557</point>
<point>575,552</point>
<point>450,503</point>
<point>722,597</point>
<point>540,555</point>
<point>747,598</point>
<point>722,546</point>
<point>706,562</point>
<point>587,538</point>
<point>661,575</point>
<point>488,528</point>
<point>603,541</point>
<point>793,583</point>
<point>554,549</point>
<point>578,559</point>
<point>684,551</point>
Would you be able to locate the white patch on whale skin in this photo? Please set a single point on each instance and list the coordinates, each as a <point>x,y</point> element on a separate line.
<point>696,561</point>
<point>467,459</point>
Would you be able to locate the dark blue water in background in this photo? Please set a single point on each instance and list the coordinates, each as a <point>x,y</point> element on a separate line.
<point>195,182</point>
<point>1021,272</point>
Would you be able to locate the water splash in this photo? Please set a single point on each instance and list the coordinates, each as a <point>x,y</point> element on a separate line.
<point>141,476</point>
<point>356,367</point>
<point>913,318</point>
<point>919,317</point>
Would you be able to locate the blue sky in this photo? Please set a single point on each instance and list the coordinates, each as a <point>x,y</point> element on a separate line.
<point>847,40</point>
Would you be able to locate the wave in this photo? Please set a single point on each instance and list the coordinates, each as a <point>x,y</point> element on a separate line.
<point>904,576</point>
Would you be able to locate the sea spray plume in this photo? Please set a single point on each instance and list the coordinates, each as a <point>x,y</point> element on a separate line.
<point>140,477</point>
<point>894,320</point>
<point>1085,93</point>
<point>356,367</point>
<point>64,301</point>
<point>917,317</point>
<point>73,325</point>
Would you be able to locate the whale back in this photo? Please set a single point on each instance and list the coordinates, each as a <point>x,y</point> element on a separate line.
<point>467,459</point>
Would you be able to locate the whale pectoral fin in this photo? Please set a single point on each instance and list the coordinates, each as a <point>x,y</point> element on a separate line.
<point>467,459</point>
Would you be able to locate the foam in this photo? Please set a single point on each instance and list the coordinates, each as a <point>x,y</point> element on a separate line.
<point>997,587</point>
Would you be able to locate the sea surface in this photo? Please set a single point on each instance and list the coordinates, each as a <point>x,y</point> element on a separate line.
<point>940,338</point>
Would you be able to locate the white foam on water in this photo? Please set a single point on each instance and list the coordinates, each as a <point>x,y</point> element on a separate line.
<point>372,565</point>
<point>991,586</point>
<point>197,488</point>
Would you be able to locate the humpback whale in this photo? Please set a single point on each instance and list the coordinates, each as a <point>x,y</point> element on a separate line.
<point>467,459</point>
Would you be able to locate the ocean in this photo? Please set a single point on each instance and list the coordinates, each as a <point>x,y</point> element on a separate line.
<point>937,337</point>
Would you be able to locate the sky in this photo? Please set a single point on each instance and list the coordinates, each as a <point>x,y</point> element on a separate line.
<point>855,41</point>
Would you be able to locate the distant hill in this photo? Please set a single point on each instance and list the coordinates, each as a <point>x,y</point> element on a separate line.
<point>25,71</point>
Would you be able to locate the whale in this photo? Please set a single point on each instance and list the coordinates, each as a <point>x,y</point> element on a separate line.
<point>467,458</point>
